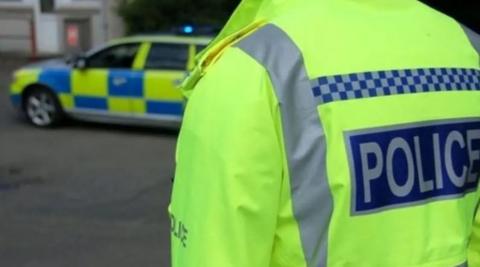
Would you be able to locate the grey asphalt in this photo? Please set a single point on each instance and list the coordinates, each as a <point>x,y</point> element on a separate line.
<point>83,194</point>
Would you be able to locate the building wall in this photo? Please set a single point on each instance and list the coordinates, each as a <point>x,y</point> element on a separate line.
<point>98,30</point>
<point>15,35</point>
<point>116,27</point>
<point>15,26</point>
<point>49,28</point>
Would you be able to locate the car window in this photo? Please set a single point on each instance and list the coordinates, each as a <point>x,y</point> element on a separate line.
<point>116,57</point>
<point>167,56</point>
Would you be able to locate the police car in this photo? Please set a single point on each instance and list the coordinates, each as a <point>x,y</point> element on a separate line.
<point>130,81</point>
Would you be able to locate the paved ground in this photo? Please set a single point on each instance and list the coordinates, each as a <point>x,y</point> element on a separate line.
<point>82,195</point>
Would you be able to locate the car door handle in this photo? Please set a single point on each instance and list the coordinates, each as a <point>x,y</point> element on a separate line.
<point>118,81</point>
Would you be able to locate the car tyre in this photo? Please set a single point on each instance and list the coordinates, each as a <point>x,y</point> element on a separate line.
<point>42,108</point>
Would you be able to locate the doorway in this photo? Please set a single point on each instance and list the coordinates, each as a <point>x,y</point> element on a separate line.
<point>77,35</point>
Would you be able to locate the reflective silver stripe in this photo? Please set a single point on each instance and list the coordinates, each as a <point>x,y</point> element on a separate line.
<point>305,143</point>
<point>474,38</point>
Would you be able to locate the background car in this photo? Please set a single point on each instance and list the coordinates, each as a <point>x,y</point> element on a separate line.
<point>130,81</point>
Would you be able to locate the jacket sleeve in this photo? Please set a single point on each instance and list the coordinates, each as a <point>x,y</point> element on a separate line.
<point>474,246</point>
<point>229,169</point>
<point>473,37</point>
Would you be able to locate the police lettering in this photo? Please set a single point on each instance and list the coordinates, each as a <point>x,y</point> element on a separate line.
<point>400,166</point>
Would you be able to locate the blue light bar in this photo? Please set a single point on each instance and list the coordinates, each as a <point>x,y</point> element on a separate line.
<point>188,29</point>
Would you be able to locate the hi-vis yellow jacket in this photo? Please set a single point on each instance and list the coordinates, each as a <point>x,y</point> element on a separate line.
<point>331,133</point>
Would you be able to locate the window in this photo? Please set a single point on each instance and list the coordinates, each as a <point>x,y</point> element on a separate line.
<point>117,57</point>
<point>167,56</point>
<point>47,6</point>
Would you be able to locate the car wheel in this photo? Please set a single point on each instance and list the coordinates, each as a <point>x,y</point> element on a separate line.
<point>42,108</point>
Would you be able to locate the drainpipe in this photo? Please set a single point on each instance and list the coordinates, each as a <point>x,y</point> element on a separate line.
<point>33,39</point>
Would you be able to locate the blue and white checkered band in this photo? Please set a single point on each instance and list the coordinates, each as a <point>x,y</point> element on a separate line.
<point>383,83</point>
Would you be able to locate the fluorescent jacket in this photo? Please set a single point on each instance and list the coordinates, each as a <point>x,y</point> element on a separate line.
<point>332,133</point>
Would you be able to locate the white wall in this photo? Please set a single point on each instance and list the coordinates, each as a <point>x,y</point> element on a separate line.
<point>82,4</point>
<point>115,25</point>
<point>98,30</point>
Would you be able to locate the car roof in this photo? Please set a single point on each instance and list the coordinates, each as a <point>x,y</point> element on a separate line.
<point>200,40</point>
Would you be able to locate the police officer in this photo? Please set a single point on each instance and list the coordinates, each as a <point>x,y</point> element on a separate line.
<point>331,133</point>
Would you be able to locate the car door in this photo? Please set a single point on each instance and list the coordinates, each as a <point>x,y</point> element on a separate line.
<point>109,82</point>
<point>165,68</point>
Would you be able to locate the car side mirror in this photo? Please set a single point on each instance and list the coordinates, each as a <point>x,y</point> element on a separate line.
<point>80,63</point>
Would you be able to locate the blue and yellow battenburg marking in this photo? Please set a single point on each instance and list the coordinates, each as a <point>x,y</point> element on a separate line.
<point>140,92</point>
<point>413,164</point>
<point>395,82</point>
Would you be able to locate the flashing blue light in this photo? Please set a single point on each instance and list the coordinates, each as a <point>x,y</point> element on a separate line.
<point>188,29</point>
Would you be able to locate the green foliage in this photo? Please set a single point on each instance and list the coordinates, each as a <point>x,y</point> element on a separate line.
<point>157,15</point>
